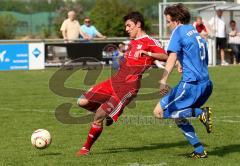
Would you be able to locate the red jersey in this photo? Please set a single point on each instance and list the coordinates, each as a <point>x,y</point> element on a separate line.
<point>132,68</point>
<point>115,93</point>
<point>200,27</point>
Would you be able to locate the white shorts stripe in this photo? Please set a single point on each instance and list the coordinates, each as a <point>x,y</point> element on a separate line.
<point>118,108</point>
<point>177,97</point>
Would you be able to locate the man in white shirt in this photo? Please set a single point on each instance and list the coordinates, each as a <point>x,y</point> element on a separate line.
<point>218,26</point>
<point>71,28</point>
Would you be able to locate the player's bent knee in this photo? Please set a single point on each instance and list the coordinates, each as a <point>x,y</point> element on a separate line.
<point>98,122</point>
<point>158,112</point>
<point>100,116</point>
<point>82,102</point>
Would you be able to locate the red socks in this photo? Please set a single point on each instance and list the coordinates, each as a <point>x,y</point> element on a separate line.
<point>93,134</point>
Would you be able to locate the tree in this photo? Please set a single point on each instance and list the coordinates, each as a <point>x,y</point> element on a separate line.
<point>8,26</point>
<point>107,15</point>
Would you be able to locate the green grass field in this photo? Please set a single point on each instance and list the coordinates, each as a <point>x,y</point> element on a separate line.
<point>27,104</point>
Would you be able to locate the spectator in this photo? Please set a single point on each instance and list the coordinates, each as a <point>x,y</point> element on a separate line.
<point>201,28</point>
<point>71,28</point>
<point>91,30</point>
<point>118,55</point>
<point>234,40</point>
<point>218,27</point>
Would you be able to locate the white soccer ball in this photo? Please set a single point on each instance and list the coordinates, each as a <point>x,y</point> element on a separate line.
<point>41,139</point>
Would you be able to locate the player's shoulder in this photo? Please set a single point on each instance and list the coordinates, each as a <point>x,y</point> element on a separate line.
<point>153,42</point>
<point>148,39</point>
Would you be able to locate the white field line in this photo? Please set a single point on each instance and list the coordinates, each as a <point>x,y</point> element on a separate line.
<point>226,119</point>
<point>41,111</point>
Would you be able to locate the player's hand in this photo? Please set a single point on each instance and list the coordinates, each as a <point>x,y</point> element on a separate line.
<point>86,37</point>
<point>66,40</point>
<point>164,88</point>
<point>179,67</point>
<point>139,53</point>
<point>104,37</point>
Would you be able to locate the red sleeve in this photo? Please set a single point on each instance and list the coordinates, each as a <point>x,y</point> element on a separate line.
<point>204,28</point>
<point>156,47</point>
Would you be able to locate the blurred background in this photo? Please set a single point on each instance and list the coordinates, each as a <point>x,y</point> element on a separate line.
<point>24,19</point>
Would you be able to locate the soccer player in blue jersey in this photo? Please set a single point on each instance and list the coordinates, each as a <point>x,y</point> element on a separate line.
<point>184,101</point>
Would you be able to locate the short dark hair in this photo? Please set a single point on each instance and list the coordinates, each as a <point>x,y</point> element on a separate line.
<point>178,12</point>
<point>135,17</point>
<point>232,21</point>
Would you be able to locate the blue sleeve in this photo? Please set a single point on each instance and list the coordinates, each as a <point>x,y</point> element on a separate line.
<point>174,43</point>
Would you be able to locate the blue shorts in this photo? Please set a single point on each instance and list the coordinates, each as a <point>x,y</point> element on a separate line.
<point>187,95</point>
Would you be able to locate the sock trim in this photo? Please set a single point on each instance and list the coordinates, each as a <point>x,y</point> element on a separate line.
<point>193,112</point>
<point>94,125</point>
<point>197,145</point>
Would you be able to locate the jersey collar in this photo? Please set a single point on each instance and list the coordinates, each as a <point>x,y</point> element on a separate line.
<point>141,37</point>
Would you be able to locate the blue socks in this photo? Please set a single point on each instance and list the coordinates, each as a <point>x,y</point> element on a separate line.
<point>188,131</point>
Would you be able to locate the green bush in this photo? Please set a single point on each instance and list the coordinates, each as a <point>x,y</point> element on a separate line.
<point>107,16</point>
<point>8,26</point>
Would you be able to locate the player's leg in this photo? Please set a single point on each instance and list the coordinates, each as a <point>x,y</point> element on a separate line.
<point>197,95</point>
<point>109,121</point>
<point>190,134</point>
<point>85,103</point>
<point>222,46</point>
<point>92,100</point>
<point>177,102</point>
<point>177,105</point>
<point>206,116</point>
<point>82,101</point>
<point>95,96</point>
<point>111,109</point>
<point>94,132</point>
<point>186,128</point>
<point>184,101</point>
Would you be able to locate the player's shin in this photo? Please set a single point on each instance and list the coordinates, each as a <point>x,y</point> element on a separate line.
<point>94,132</point>
<point>96,128</point>
<point>189,132</point>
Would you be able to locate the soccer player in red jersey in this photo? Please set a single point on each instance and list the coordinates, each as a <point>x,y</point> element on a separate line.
<point>108,99</point>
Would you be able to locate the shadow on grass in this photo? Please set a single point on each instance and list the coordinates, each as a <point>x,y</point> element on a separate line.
<point>224,150</point>
<point>145,147</point>
<point>50,154</point>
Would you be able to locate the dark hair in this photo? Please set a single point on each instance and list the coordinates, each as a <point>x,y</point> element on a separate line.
<point>135,17</point>
<point>179,13</point>
<point>232,21</point>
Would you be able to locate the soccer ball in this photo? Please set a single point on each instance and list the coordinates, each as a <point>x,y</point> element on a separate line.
<point>41,139</point>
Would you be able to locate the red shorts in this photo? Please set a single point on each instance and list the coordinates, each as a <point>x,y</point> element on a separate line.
<point>111,98</point>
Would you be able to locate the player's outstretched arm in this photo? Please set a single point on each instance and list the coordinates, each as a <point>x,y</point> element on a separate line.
<point>164,88</point>
<point>169,67</point>
<point>158,56</point>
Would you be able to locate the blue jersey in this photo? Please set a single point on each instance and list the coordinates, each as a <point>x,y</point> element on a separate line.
<point>191,52</point>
